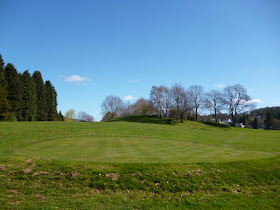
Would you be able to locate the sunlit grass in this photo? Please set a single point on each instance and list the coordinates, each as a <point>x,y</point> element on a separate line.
<point>53,165</point>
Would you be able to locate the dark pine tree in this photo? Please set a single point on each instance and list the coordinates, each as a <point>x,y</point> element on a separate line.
<point>255,123</point>
<point>4,103</point>
<point>41,114</point>
<point>268,120</point>
<point>61,117</point>
<point>29,97</point>
<point>3,81</point>
<point>51,102</point>
<point>14,89</point>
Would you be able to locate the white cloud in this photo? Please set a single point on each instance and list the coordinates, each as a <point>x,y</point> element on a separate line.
<point>219,85</point>
<point>129,97</point>
<point>254,101</point>
<point>76,78</point>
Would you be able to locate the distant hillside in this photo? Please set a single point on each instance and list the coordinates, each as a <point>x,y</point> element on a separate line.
<point>142,119</point>
<point>275,111</point>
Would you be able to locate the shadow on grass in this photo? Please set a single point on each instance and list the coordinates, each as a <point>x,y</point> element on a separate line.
<point>143,119</point>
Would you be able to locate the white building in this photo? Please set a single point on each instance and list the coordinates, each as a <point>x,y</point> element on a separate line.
<point>227,122</point>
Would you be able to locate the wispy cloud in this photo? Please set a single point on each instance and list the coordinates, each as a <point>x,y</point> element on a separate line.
<point>129,98</point>
<point>219,85</point>
<point>76,78</point>
<point>254,101</point>
<point>134,81</point>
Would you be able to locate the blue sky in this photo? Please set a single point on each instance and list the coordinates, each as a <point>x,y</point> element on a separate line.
<point>125,47</point>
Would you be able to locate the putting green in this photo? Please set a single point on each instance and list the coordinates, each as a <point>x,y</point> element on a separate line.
<point>134,150</point>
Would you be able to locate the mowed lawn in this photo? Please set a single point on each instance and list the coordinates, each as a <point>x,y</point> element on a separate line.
<point>137,165</point>
<point>134,150</point>
<point>135,142</point>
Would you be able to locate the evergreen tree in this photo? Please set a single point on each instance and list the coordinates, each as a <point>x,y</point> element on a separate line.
<point>4,105</point>
<point>41,113</point>
<point>14,89</point>
<point>29,106</point>
<point>51,102</point>
<point>61,117</point>
<point>268,120</point>
<point>256,123</point>
<point>3,81</point>
<point>5,108</point>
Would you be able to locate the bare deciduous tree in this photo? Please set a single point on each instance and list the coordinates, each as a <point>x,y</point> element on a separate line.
<point>156,99</point>
<point>160,98</point>
<point>113,105</point>
<point>85,117</point>
<point>166,100</point>
<point>127,109</point>
<point>197,98</point>
<point>237,100</point>
<point>214,101</point>
<point>142,107</point>
<point>180,100</point>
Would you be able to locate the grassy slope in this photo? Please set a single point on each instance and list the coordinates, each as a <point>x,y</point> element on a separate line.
<point>51,183</point>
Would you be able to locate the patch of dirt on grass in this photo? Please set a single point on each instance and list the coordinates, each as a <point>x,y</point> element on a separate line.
<point>59,173</point>
<point>198,171</point>
<point>27,170</point>
<point>11,173</point>
<point>28,161</point>
<point>235,191</point>
<point>74,173</point>
<point>2,168</point>
<point>15,203</point>
<point>188,174</point>
<point>114,176</point>
<point>40,173</point>
<point>40,197</point>
<point>14,191</point>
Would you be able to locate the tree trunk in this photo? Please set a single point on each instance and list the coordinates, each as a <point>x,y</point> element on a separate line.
<point>181,117</point>
<point>232,117</point>
<point>216,115</point>
<point>235,117</point>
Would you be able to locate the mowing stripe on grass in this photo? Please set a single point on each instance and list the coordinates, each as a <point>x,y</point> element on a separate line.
<point>134,150</point>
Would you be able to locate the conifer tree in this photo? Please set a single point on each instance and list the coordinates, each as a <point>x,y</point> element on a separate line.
<point>29,106</point>
<point>14,89</point>
<point>3,81</point>
<point>51,102</point>
<point>61,117</point>
<point>4,105</point>
<point>41,114</point>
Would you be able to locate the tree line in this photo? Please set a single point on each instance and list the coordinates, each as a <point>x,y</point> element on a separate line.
<point>181,103</point>
<point>24,97</point>
<point>265,118</point>
<point>71,115</point>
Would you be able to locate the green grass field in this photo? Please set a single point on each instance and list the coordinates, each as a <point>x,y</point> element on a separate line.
<point>137,165</point>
